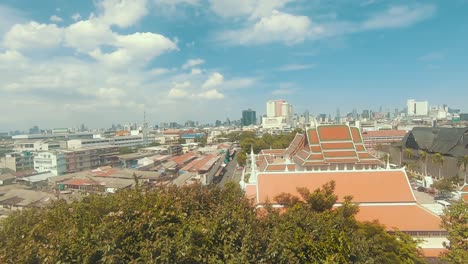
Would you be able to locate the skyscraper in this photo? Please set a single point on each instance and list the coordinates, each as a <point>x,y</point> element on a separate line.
<point>249,117</point>
<point>415,108</point>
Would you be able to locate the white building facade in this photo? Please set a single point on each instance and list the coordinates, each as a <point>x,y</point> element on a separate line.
<point>415,108</point>
<point>52,161</point>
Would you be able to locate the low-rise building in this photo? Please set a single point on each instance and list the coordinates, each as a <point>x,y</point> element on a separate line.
<point>17,161</point>
<point>37,145</point>
<point>373,139</point>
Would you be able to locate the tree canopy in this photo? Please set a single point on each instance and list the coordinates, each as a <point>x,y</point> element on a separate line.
<point>249,139</point>
<point>455,220</point>
<point>194,224</point>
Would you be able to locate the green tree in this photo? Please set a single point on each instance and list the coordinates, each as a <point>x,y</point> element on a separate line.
<point>463,161</point>
<point>408,153</point>
<point>125,150</point>
<point>455,221</point>
<point>444,186</point>
<point>242,158</point>
<point>423,158</point>
<point>192,224</point>
<point>438,160</point>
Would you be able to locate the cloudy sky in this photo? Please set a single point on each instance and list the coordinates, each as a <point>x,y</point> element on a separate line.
<point>63,63</point>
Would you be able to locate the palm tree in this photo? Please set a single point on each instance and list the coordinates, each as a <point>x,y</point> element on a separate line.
<point>463,161</point>
<point>408,153</point>
<point>423,157</point>
<point>438,159</point>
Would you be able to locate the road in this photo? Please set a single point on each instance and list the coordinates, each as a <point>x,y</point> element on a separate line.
<point>231,174</point>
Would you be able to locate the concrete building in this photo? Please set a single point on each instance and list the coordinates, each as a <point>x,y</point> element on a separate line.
<point>53,161</point>
<point>415,108</point>
<point>249,117</point>
<point>17,161</point>
<point>54,136</point>
<point>121,141</point>
<point>279,114</point>
<point>37,145</point>
<point>82,159</point>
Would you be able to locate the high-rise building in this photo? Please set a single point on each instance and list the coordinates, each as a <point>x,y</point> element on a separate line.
<point>279,114</point>
<point>415,108</point>
<point>249,117</point>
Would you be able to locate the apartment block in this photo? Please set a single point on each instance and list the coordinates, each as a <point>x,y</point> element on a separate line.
<point>17,161</point>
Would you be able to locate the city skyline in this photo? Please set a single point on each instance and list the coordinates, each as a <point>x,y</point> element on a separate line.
<point>107,61</point>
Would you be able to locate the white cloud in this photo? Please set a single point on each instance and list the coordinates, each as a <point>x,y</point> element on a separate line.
<point>399,16</point>
<point>435,55</point>
<point>160,71</point>
<point>33,35</point>
<point>145,45</point>
<point>192,62</point>
<point>215,80</point>
<point>11,57</point>
<point>283,91</point>
<point>296,67</point>
<point>282,27</point>
<point>211,95</point>
<point>239,83</point>
<point>87,35</point>
<point>76,17</point>
<point>250,8</point>
<point>55,18</point>
<point>278,27</point>
<point>9,17</point>
<point>122,13</point>
<point>177,2</point>
<point>196,71</point>
<point>178,90</point>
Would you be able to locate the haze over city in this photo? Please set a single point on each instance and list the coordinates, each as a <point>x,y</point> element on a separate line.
<point>65,63</point>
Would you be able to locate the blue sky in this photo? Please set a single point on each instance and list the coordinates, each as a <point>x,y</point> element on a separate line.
<point>63,63</point>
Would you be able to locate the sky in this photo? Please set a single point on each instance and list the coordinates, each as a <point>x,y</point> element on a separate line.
<point>64,63</point>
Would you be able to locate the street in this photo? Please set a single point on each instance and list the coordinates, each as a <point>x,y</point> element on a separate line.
<point>231,174</point>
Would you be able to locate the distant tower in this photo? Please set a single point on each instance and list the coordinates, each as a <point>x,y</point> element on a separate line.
<point>338,116</point>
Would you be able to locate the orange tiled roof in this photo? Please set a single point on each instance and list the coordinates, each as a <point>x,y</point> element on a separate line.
<point>465,188</point>
<point>433,252</point>
<point>356,135</point>
<point>296,144</point>
<point>334,133</point>
<point>273,151</point>
<point>322,139</point>
<point>312,136</point>
<point>334,154</point>
<point>338,145</point>
<point>465,197</point>
<point>280,167</point>
<point>364,186</point>
<point>251,191</point>
<point>401,217</point>
<point>80,182</point>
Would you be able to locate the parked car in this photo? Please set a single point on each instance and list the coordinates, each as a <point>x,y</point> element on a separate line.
<point>421,189</point>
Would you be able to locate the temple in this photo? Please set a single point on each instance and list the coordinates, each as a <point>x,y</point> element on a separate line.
<point>337,153</point>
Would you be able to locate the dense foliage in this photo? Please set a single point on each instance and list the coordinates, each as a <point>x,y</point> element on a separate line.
<point>198,225</point>
<point>248,140</point>
<point>455,220</point>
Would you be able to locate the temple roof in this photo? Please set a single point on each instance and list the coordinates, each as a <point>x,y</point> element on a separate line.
<point>330,144</point>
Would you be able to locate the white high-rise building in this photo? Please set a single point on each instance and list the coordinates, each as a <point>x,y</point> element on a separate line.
<point>279,114</point>
<point>415,108</point>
